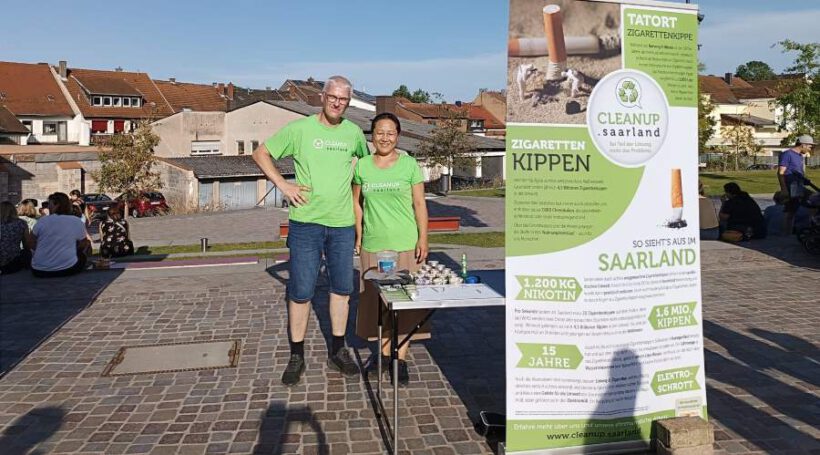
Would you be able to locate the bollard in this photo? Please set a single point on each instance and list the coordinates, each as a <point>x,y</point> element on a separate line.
<point>203,244</point>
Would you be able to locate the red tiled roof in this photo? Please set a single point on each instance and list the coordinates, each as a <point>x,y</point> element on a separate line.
<point>30,89</point>
<point>105,85</point>
<point>779,86</point>
<point>34,149</point>
<point>431,110</point>
<point>479,113</point>
<point>738,82</point>
<point>755,93</point>
<point>196,97</point>
<point>154,104</point>
<point>9,123</point>
<point>718,89</point>
<point>66,165</point>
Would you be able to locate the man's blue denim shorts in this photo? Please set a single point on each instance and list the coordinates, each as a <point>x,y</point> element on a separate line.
<point>307,243</point>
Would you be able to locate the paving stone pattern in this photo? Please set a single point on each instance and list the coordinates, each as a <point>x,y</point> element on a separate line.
<point>762,362</point>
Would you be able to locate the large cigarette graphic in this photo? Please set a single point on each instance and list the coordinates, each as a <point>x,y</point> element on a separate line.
<point>554,32</point>
<point>574,45</point>
<point>677,195</point>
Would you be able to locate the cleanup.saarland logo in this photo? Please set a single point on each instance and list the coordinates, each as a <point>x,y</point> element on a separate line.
<point>628,117</point>
<point>318,143</point>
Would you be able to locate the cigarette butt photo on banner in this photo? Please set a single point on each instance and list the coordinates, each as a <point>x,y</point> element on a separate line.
<point>557,51</point>
<point>677,220</point>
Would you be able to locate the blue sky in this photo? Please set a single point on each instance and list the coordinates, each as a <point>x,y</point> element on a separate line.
<point>453,47</point>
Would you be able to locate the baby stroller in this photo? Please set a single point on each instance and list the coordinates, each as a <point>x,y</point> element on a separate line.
<point>809,237</point>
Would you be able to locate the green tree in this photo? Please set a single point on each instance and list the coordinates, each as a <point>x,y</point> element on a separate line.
<point>418,96</point>
<point>449,145</point>
<point>706,123</point>
<point>800,97</point>
<point>402,91</point>
<point>739,142</point>
<point>755,70</point>
<point>127,166</point>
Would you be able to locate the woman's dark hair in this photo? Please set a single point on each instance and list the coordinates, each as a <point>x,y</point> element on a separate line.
<point>387,116</point>
<point>59,204</point>
<point>732,189</point>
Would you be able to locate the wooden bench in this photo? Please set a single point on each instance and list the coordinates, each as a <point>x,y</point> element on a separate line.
<point>434,224</point>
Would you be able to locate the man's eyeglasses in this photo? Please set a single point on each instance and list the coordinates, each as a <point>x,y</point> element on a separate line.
<point>333,99</point>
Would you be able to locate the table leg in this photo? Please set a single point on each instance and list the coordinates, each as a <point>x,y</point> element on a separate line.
<point>394,354</point>
<point>379,362</point>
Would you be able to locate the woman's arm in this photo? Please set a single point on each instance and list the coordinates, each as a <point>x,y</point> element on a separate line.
<point>29,240</point>
<point>357,209</point>
<point>420,209</point>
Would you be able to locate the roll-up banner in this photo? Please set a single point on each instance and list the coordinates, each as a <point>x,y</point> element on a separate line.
<point>604,325</point>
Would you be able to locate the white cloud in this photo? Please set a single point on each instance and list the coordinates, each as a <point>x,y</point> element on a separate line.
<point>731,43</point>
<point>455,78</point>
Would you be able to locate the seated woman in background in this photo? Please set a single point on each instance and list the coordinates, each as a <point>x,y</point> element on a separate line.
<point>742,216</point>
<point>709,224</point>
<point>13,233</point>
<point>59,240</point>
<point>27,212</point>
<point>114,235</point>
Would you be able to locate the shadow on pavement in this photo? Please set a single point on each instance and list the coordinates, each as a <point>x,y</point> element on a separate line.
<point>32,309</point>
<point>468,216</point>
<point>277,436</point>
<point>31,429</point>
<point>785,248</point>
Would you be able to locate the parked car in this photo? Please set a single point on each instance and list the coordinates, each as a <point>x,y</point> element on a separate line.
<point>761,166</point>
<point>147,203</point>
<point>97,205</point>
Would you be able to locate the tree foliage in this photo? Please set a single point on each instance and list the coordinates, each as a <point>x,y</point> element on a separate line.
<point>800,96</point>
<point>127,167</point>
<point>449,145</point>
<point>418,96</point>
<point>739,142</point>
<point>706,123</point>
<point>755,70</point>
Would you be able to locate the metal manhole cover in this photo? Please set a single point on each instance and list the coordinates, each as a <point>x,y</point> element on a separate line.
<point>165,358</point>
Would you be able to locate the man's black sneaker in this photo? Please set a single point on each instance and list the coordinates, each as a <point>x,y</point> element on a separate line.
<point>373,366</point>
<point>293,371</point>
<point>404,373</point>
<point>342,363</point>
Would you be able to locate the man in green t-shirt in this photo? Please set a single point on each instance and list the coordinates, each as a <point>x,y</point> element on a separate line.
<point>324,148</point>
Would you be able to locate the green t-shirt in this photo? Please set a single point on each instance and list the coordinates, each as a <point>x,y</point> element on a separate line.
<point>389,218</point>
<point>323,158</point>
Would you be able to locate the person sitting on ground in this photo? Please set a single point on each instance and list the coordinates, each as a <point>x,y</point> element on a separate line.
<point>741,215</point>
<point>774,214</point>
<point>394,217</point>
<point>27,212</point>
<point>13,233</point>
<point>709,224</point>
<point>58,241</point>
<point>115,236</point>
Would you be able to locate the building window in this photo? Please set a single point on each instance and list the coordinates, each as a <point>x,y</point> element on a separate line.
<point>240,147</point>
<point>27,124</point>
<point>476,125</point>
<point>117,101</point>
<point>205,148</point>
<point>135,102</point>
<point>254,145</point>
<point>99,126</point>
<point>96,100</point>
<point>106,101</point>
<point>49,128</point>
<point>119,126</point>
<point>126,102</point>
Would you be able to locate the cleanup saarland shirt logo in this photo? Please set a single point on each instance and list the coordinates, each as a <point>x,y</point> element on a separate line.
<point>628,117</point>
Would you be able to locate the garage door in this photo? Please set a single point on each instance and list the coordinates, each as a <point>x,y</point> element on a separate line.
<point>240,194</point>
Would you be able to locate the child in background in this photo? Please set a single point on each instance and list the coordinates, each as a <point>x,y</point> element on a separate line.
<point>774,214</point>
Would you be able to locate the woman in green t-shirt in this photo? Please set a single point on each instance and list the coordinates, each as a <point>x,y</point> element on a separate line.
<point>394,217</point>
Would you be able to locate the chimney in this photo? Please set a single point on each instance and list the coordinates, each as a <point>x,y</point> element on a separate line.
<point>220,88</point>
<point>172,80</point>
<point>63,69</point>
<point>458,103</point>
<point>213,84</point>
<point>230,89</point>
<point>386,104</point>
<point>728,78</point>
<point>267,93</point>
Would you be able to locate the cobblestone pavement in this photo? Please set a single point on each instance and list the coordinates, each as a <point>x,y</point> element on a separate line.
<point>262,225</point>
<point>762,361</point>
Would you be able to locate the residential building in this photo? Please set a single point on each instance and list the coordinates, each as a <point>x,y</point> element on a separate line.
<point>32,94</point>
<point>185,96</point>
<point>35,171</point>
<point>738,102</point>
<point>496,104</point>
<point>12,131</point>
<point>113,101</point>
<point>308,92</point>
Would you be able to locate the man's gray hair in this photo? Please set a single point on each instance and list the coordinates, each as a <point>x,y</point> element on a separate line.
<point>338,80</point>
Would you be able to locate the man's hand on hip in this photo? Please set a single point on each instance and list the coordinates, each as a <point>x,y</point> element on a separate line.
<point>293,193</point>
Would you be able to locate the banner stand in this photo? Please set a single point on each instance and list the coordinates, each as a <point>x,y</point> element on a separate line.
<point>602,449</point>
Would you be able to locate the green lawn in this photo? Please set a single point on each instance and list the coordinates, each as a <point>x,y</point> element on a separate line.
<point>752,182</point>
<point>483,192</point>
<point>176,249</point>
